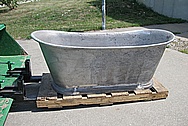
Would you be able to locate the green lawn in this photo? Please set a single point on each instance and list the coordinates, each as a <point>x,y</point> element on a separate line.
<point>77,15</point>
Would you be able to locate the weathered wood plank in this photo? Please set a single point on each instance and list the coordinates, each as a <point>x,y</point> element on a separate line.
<point>47,97</point>
<point>159,87</point>
<point>146,91</point>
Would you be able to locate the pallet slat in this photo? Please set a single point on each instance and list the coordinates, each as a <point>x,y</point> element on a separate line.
<point>48,98</point>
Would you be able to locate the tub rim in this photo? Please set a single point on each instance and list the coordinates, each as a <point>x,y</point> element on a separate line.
<point>107,47</point>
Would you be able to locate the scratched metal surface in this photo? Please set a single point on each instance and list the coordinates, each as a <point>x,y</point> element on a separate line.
<point>5,104</point>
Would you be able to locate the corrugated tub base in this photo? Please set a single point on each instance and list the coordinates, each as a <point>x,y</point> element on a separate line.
<point>48,98</point>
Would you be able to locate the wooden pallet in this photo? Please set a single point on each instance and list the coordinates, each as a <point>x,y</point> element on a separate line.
<point>47,97</point>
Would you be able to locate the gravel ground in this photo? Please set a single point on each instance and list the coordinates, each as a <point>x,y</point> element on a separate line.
<point>180,44</point>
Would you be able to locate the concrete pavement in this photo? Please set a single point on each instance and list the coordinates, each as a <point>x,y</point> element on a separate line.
<point>172,72</point>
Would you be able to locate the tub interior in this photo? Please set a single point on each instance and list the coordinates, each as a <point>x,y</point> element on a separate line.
<point>115,39</point>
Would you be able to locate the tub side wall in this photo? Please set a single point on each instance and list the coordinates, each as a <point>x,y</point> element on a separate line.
<point>91,67</point>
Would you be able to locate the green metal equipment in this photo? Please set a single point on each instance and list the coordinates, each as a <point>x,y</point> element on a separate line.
<point>5,104</point>
<point>14,70</point>
<point>8,46</point>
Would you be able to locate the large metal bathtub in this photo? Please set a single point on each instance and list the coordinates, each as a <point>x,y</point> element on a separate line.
<point>102,62</point>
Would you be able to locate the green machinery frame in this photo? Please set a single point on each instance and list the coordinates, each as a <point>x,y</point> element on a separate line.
<point>14,63</point>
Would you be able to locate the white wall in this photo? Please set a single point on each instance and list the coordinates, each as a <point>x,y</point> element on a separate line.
<point>170,8</point>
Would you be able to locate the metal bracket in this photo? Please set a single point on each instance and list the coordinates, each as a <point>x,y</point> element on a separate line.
<point>26,72</point>
<point>9,63</point>
<point>17,90</point>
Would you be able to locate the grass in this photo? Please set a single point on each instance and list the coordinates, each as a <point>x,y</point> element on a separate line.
<point>77,15</point>
<point>184,51</point>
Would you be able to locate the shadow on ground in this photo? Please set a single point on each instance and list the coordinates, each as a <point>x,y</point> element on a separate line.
<point>4,9</point>
<point>31,105</point>
<point>21,106</point>
<point>132,12</point>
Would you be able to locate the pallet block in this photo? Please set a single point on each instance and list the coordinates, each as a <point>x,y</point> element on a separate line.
<point>48,98</point>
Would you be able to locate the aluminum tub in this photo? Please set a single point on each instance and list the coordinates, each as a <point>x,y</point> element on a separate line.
<point>102,62</point>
